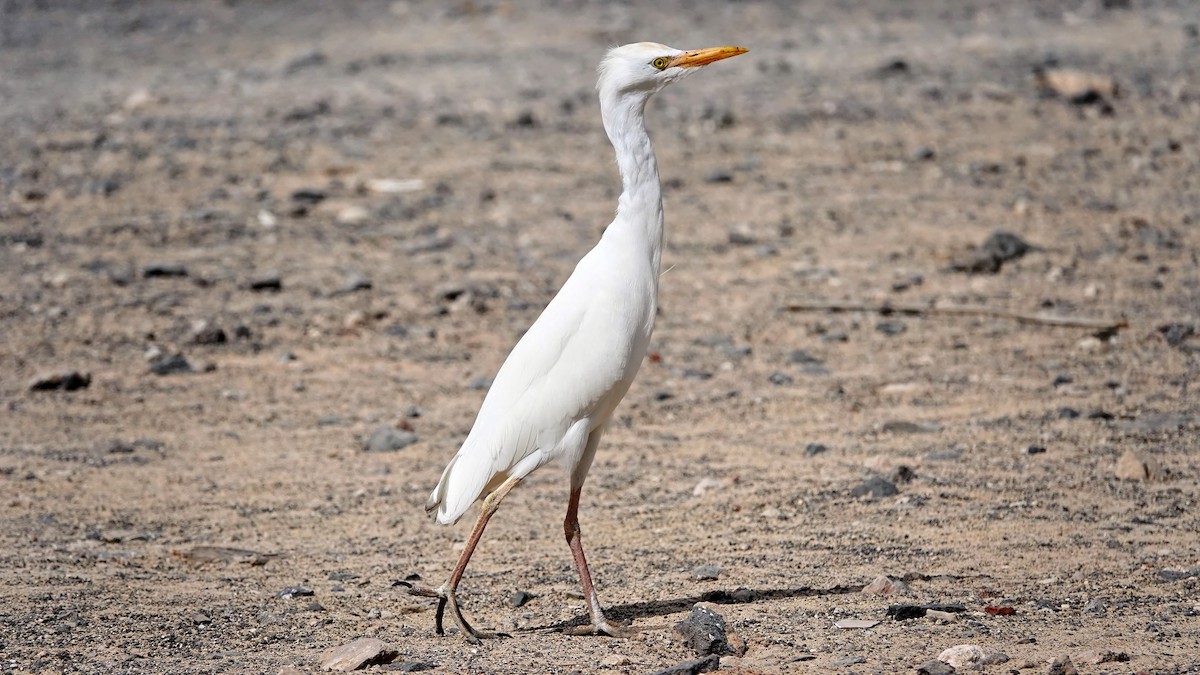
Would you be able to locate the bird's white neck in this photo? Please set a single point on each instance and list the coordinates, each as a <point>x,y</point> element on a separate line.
<point>639,211</point>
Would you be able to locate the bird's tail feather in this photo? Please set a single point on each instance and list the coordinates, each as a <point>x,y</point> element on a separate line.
<point>461,485</point>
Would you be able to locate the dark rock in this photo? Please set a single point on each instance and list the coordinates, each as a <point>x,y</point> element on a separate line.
<point>267,282</point>
<point>164,269</point>
<point>875,487</point>
<point>935,667</point>
<point>707,664</point>
<point>309,59</point>
<point>306,112</point>
<point>893,67</point>
<point>780,378</point>
<point>209,335</point>
<point>309,196</point>
<point>906,611</point>
<point>66,381</point>
<point>1062,379</point>
<point>294,592</point>
<point>906,427</point>
<point>697,374</point>
<point>999,248</point>
<point>1176,333</point>
<point>801,357</point>
<point>520,598</point>
<point>1177,575</point>
<point>891,328</point>
<point>704,632</point>
<point>389,439</point>
<point>170,364</point>
<point>743,595</point>
<point>719,176</point>
<point>813,449</point>
<point>924,153</point>
<point>903,474</point>
<point>118,447</point>
<point>1067,413</point>
<point>481,383</point>
<point>330,420</point>
<point>1034,450</point>
<point>663,396</point>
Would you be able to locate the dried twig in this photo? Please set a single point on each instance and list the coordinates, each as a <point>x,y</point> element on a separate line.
<point>1107,326</point>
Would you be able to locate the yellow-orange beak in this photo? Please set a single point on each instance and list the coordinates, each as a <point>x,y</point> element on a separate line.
<point>702,57</point>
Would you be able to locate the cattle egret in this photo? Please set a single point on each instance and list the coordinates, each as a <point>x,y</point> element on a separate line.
<point>555,393</point>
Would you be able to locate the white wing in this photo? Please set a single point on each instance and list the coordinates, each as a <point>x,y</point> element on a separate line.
<point>562,379</point>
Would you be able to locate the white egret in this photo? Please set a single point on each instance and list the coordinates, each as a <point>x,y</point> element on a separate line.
<point>555,393</point>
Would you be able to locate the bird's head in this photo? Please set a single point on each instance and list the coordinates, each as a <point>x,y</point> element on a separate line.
<point>646,67</point>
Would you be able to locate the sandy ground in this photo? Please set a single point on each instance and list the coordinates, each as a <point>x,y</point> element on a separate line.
<point>172,174</point>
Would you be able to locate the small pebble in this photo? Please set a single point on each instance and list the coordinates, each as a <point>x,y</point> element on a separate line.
<point>520,598</point>
<point>875,487</point>
<point>706,572</point>
<point>935,667</point>
<point>387,438</point>
<point>70,380</point>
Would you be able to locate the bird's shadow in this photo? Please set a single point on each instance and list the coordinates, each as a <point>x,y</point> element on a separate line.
<point>629,612</point>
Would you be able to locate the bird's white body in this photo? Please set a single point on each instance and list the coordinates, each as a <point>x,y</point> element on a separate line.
<point>558,388</point>
<point>560,384</point>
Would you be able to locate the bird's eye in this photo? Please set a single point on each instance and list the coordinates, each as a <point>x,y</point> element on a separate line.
<point>660,63</point>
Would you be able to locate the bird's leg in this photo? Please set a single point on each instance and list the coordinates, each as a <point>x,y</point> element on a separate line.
<point>600,625</point>
<point>447,592</point>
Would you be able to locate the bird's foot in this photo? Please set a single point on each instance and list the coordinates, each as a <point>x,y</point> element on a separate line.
<point>470,633</point>
<point>445,597</point>
<point>603,627</point>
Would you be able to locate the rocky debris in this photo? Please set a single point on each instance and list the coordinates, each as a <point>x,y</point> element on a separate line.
<point>875,487</point>
<point>999,248</point>
<point>705,664</point>
<point>848,661</point>
<point>935,667</point>
<point>1062,665</point>
<point>387,438</point>
<point>814,449</point>
<point>1034,449</point>
<point>1176,334</point>
<point>69,380</point>
<point>704,632</point>
<point>891,328</point>
<point>1169,575</point>
<point>307,59</point>
<point>205,333</point>
<point>1094,657</point>
<point>780,378</point>
<point>962,656</point>
<point>907,427</point>
<point>903,611</point>
<point>1134,465</point>
<point>290,592</point>
<point>270,281</point>
<point>358,654</point>
<point>354,282</point>
<point>706,572</point>
<point>163,269</point>
<point>520,598</point>
<point>173,363</point>
<point>884,585</point>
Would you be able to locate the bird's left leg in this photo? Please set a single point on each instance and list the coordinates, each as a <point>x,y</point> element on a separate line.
<point>447,592</point>
<point>600,625</point>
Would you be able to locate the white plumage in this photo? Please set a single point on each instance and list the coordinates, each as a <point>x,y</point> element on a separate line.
<point>560,384</point>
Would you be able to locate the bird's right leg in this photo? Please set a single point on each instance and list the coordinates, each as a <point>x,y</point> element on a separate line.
<point>600,624</point>
<point>447,592</point>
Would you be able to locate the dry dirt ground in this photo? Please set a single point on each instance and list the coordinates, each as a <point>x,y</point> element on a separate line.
<point>175,173</point>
